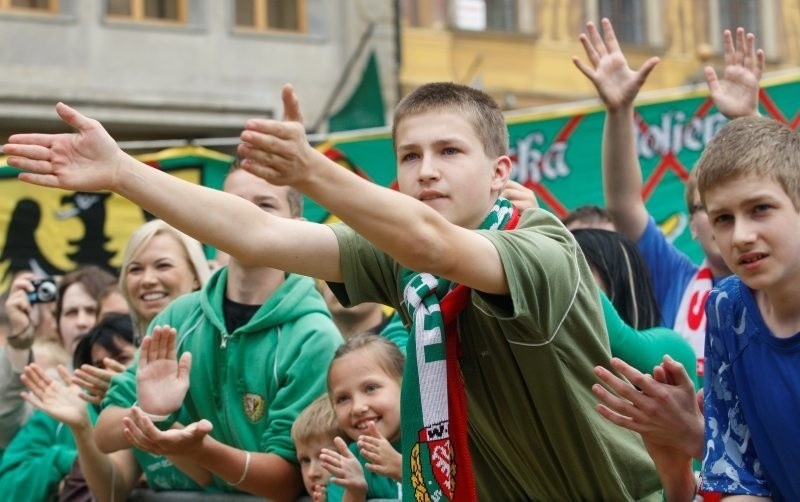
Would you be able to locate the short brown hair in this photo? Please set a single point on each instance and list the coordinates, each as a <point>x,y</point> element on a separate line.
<point>94,280</point>
<point>293,195</point>
<point>752,146</point>
<point>478,107</point>
<point>316,421</point>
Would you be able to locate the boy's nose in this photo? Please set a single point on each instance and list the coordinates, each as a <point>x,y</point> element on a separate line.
<point>743,233</point>
<point>428,169</point>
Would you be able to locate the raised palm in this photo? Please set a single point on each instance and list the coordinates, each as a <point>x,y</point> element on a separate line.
<point>616,83</point>
<point>86,160</point>
<point>61,401</point>
<point>161,380</point>
<point>736,95</point>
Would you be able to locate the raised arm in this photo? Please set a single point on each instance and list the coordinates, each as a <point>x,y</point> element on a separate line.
<point>617,86</point>
<point>90,160</point>
<point>736,95</point>
<point>278,152</point>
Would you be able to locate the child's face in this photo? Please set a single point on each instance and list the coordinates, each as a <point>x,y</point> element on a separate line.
<point>757,229</point>
<point>441,161</point>
<point>314,476</point>
<point>363,392</point>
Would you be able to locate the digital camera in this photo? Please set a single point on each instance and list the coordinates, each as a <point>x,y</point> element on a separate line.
<point>44,291</point>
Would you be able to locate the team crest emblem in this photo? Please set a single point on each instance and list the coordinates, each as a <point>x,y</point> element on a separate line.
<point>253,406</point>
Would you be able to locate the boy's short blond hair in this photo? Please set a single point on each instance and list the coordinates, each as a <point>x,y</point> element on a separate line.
<point>752,146</point>
<point>478,107</point>
<point>316,421</point>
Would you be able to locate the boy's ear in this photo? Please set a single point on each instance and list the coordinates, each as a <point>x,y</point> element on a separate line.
<point>501,172</point>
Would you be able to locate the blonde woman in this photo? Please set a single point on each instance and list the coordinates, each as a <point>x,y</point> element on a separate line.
<point>159,264</point>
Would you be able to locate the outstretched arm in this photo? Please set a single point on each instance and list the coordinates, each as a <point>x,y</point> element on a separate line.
<point>617,86</point>
<point>90,160</point>
<point>279,152</point>
<point>736,95</point>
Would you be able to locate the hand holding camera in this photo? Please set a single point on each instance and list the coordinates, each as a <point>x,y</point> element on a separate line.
<point>25,293</point>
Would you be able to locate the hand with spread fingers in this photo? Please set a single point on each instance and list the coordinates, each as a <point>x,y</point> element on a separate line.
<point>381,456</point>
<point>61,401</point>
<point>616,83</point>
<point>96,381</point>
<point>278,150</point>
<point>178,440</point>
<point>664,410</point>
<point>86,160</point>
<point>161,379</point>
<point>344,467</point>
<point>736,95</point>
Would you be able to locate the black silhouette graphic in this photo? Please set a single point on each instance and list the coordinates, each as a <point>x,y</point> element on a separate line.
<point>21,250</point>
<point>91,209</point>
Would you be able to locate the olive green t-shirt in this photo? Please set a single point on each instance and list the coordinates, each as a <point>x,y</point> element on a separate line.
<point>527,365</point>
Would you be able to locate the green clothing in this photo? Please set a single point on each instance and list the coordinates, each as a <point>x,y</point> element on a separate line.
<point>527,364</point>
<point>38,458</point>
<point>250,384</point>
<point>378,487</point>
<point>645,349</point>
<point>396,332</point>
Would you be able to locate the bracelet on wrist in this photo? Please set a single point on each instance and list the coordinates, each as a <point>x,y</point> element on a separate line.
<point>246,469</point>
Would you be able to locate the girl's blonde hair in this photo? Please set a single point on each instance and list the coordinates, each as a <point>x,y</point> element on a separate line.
<point>384,352</point>
<point>138,240</point>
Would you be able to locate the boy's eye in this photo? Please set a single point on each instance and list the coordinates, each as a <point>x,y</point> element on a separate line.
<point>722,219</point>
<point>449,151</point>
<point>409,157</point>
<point>760,208</point>
<point>304,460</point>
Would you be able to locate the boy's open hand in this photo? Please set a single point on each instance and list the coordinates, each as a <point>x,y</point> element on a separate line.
<point>736,95</point>
<point>344,467</point>
<point>663,409</point>
<point>277,150</point>
<point>161,379</point>
<point>616,83</point>
<point>87,160</point>
<point>382,457</point>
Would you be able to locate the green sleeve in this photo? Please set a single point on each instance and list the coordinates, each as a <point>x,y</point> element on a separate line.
<point>122,390</point>
<point>396,332</point>
<point>37,459</point>
<point>645,349</point>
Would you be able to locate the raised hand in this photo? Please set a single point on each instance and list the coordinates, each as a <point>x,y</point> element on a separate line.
<point>95,381</point>
<point>521,196</point>
<point>616,83</point>
<point>59,400</point>
<point>344,467</point>
<point>21,313</point>
<point>161,380</point>
<point>278,150</point>
<point>381,456</point>
<point>663,410</point>
<point>143,434</point>
<point>86,160</point>
<point>736,95</point>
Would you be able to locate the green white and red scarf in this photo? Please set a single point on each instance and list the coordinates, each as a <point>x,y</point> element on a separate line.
<point>436,459</point>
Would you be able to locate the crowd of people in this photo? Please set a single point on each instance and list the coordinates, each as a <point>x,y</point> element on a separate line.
<point>446,341</point>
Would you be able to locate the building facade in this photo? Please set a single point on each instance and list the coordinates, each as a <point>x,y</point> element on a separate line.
<point>163,69</point>
<point>519,50</point>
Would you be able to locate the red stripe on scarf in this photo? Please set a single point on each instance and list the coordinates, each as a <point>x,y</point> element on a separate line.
<point>464,489</point>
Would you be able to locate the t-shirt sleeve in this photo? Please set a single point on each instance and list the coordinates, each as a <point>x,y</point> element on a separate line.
<point>670,270</point>
<point>370,275</point>
<point>730,464</point>
<point>545,272</point>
